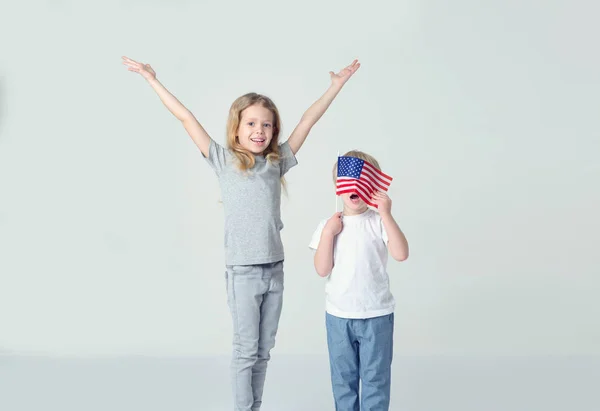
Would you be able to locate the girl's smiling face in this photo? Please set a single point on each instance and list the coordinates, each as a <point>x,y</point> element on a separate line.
<point>255,131</point>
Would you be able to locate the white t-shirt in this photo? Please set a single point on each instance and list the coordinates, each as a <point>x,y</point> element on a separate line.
<point>358,286</point>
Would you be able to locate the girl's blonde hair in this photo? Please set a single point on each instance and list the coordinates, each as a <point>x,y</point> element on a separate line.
<point>358,154</point>
<point>245,157</point>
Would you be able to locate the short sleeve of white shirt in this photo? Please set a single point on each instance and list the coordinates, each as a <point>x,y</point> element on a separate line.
<point>383,232</point>
<point>316,238</point>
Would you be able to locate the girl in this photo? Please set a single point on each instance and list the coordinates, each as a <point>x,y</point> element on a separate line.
<point>250,172</point>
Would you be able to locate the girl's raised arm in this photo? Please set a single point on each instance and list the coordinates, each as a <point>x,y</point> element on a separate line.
<point>319,107</point>
<point>191,125</point>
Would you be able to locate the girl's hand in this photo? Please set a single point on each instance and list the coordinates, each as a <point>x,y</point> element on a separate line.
<point>384,203</point>
<point>344,75</point>
<point>334,224</point>
<point>144,69</point>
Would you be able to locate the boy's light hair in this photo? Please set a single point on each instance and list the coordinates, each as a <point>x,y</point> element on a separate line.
<point>246,158</point>
<point>358,154</point>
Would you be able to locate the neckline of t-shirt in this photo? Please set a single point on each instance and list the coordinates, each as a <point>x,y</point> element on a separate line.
<point>365,214</point>
<point>260,158</point>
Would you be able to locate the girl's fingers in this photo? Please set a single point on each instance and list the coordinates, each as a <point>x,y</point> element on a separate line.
<point>130,64</point>
<point>354,66</point>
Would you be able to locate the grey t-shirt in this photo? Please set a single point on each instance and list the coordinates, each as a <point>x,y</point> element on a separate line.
<point>252,205</point>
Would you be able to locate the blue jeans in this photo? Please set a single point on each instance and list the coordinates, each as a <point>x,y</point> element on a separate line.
<point>360,350</point>
<point>255,298</point>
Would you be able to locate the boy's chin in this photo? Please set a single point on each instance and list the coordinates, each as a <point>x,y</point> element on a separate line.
<point>356,207</point>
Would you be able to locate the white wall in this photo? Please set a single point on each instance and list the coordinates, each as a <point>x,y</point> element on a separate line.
<point>485,114</point>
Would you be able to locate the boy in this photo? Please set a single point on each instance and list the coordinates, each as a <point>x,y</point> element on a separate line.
<point>351,251</point>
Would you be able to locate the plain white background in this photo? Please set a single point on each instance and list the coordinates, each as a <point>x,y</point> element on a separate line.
<point>485,113</point>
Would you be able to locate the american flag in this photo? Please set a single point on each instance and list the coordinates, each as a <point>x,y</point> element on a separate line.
<point>361,177</point>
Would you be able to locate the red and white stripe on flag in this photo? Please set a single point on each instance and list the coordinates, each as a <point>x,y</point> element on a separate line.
<point>360,177</point>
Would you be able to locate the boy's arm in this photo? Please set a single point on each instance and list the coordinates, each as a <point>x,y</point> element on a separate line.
<point>324,255</point>
<point>397,243</point>
<point>191,125</point>
<point>319,107</point>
